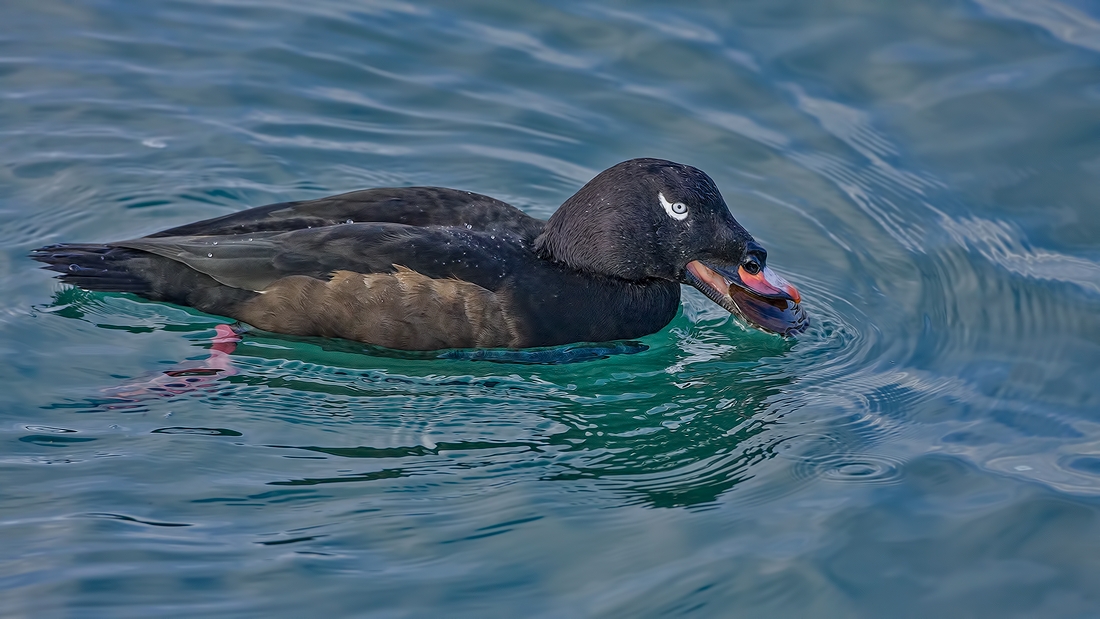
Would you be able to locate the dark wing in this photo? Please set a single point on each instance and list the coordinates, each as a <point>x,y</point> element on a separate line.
<point>411,206</point>
<point>393,285</point>
<point>254,261</point>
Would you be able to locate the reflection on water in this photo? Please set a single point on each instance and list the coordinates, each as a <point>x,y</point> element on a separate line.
<point>683,450</point>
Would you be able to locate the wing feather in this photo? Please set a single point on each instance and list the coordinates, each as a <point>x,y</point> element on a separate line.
<point>254,261</point>
<point>412,206</point>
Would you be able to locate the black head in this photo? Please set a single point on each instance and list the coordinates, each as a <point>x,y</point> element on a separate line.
<point>655,219</point>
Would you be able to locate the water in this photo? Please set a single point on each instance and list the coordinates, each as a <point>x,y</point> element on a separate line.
<point>926,174</point>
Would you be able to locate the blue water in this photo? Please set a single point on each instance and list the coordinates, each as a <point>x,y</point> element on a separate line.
<point>927,173</point>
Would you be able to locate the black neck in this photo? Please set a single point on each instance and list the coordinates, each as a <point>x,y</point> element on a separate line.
<point>586,235</point>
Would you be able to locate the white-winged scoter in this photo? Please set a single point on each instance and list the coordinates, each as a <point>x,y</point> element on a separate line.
<point>427,268</point>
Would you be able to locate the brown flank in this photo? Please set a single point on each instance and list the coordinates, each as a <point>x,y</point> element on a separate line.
<point>404,310</point>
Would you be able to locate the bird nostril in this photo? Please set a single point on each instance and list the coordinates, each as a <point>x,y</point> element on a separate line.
<point>752,266</point>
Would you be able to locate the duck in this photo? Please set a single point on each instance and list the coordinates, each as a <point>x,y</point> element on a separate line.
<point>432,268</point>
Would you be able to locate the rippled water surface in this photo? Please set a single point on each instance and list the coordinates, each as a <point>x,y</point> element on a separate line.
<point>927,173</point>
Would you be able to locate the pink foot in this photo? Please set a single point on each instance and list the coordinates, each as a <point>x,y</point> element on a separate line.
<point>189,375</point>
<point>226,339</point>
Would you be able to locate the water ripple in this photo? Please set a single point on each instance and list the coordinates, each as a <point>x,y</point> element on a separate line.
<point>920,172</point>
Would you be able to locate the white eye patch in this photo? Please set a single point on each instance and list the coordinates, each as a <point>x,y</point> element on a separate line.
<point>675,210</point>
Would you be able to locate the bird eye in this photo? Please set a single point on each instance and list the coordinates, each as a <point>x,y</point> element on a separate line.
<point>675,210</point>
<point>752,266</point>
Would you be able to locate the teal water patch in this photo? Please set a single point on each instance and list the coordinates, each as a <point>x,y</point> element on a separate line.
<point>575,353</point>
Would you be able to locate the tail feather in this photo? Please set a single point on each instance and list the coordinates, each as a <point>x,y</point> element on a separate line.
<point>94,267</point>
<point>118,269</point>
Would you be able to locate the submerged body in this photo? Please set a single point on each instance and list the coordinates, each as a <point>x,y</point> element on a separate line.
<point>425,268</point>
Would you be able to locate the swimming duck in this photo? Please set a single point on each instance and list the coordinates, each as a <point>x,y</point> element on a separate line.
<point>429,268</point>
